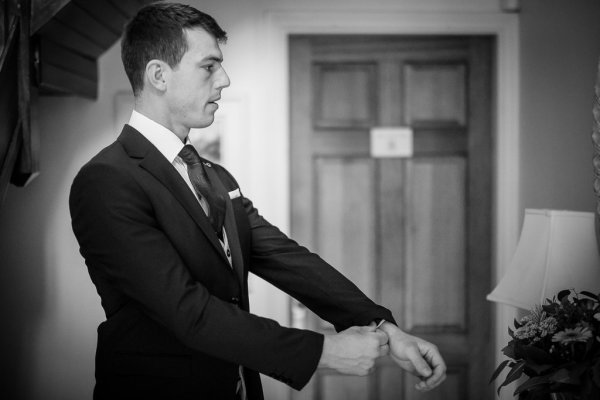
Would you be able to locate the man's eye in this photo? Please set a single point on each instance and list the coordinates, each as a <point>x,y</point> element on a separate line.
<point>212,67</point>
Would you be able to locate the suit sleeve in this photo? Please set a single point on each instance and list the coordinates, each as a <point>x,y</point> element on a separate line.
<point>306,276</point>
<point>115,225</point>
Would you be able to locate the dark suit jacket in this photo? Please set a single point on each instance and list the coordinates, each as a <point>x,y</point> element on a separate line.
<point>177,323</point>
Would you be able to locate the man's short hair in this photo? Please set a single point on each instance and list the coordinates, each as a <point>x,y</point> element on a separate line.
<point>157,32</point>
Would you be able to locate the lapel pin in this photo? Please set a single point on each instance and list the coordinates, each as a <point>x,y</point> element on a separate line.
<point>208,164</point>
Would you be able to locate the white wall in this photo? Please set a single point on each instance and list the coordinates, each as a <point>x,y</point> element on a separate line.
<point>559,55</point>
<point>47,288</point>
<point>49,306</point>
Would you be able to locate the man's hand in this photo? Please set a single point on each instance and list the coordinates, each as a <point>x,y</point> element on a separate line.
<point>416,356</point>
<point>354,350</point>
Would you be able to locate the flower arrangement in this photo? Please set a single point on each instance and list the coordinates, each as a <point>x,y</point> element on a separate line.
<point>557,346</point>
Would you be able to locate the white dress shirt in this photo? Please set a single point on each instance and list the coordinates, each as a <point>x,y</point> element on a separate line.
<point>169,145</point>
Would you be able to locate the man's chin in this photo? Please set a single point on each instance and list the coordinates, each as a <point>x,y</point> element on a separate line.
<point>205,123</point>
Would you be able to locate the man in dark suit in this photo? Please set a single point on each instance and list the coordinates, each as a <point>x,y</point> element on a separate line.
<point>169,240</point>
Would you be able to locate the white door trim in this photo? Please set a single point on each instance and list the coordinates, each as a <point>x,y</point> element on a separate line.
<point>505,27</point>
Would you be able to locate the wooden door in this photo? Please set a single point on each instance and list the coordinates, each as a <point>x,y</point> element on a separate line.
<point>413,233</point>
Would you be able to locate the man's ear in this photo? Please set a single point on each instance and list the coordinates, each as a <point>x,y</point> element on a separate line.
<point>156,74</point>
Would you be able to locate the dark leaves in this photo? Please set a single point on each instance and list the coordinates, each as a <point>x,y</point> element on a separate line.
<point>571,364</point>
<point>514,374</point>
<point>532,383</point>
<point>591,295</point>
<point>502,365</point>
<point>563,294</point>
<point>536,355</point>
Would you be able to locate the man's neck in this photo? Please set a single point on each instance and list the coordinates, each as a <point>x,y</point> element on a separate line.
<point>160,116</point>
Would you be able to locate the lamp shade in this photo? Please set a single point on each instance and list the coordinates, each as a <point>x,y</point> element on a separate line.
<point>557,250</point>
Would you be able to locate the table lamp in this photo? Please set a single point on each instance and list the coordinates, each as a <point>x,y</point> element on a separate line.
<point>557,250</point>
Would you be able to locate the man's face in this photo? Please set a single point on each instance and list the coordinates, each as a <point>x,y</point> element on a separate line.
<point>195,84</point>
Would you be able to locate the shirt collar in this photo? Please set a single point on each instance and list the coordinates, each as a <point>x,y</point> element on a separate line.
<point>162,138</point>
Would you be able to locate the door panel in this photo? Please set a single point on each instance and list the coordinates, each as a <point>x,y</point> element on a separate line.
<point>435,93</point>
<point>435,268</point>
<point>412,233</point>
<point>344,94</point>
<point>345,204</point>
<point>337,387</point>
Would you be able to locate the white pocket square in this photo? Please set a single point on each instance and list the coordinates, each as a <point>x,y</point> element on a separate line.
<point>234,194</point>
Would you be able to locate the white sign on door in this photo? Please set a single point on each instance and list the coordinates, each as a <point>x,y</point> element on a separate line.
<point>387,142</point>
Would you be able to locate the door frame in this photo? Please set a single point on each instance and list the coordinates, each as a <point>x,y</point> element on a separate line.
<point>506,149</point>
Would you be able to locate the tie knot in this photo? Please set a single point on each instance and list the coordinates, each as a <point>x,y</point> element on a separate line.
<point>189,155</point>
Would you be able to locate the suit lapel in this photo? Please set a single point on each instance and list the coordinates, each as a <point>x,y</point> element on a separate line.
<point>137,146</point>
<point>230,225</point>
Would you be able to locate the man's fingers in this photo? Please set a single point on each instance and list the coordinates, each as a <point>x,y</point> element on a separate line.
<point>439,368</point>
<point>416,356</point>
<point>369,328</point>
<point>382,337</point>
<point>431,382</point>
<point>384,350</point>
<point>421,367</point>
<point>435,380</point>
<point>435,360</point>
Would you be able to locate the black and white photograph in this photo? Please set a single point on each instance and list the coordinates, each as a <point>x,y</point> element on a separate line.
<point>300,199</point>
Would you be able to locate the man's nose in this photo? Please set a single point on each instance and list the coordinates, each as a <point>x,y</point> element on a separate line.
<point>223,80</point>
